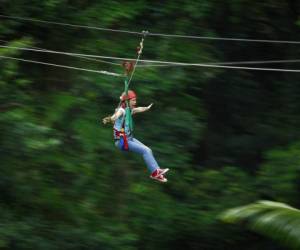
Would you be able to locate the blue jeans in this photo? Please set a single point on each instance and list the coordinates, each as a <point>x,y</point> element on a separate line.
<point>136,146</point>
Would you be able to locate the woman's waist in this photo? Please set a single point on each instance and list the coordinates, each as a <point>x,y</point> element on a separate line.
<point>120,133</point>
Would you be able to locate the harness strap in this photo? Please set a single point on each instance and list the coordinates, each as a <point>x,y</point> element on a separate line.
<point>123,139</point>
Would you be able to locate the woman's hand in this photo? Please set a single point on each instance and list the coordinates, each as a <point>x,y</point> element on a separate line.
<point>114,117</point>
<point>141,109</point>
<point>106,119</point>
<point>149,106</point>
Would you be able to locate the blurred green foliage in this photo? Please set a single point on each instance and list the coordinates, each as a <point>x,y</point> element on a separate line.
<point>273,219</point>
<point>230,137</point>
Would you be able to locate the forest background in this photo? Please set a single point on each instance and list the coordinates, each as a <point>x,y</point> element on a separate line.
<point>229,136</point>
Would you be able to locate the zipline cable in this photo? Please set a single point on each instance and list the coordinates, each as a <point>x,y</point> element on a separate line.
<point>209,65</point>
<point>88,57</point>
<point>228,63</point>
<point>152,34</point>
<point>63,66</point>
<point>77,56</point>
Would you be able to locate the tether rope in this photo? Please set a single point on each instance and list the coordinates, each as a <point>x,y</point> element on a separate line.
<point>138,57</point>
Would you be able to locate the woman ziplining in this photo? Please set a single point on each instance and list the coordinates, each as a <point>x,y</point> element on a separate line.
<point>123,135</point>
<point>123,124</point>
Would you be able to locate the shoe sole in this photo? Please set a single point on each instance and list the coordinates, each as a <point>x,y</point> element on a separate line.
<point>163,181</point>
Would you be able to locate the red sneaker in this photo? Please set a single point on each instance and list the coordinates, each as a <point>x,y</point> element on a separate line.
<point>158,175</point>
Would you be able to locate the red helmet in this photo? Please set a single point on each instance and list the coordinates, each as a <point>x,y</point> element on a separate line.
<point>131,95</point>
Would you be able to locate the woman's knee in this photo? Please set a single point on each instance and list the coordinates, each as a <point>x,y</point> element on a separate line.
<point>147,150</point>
